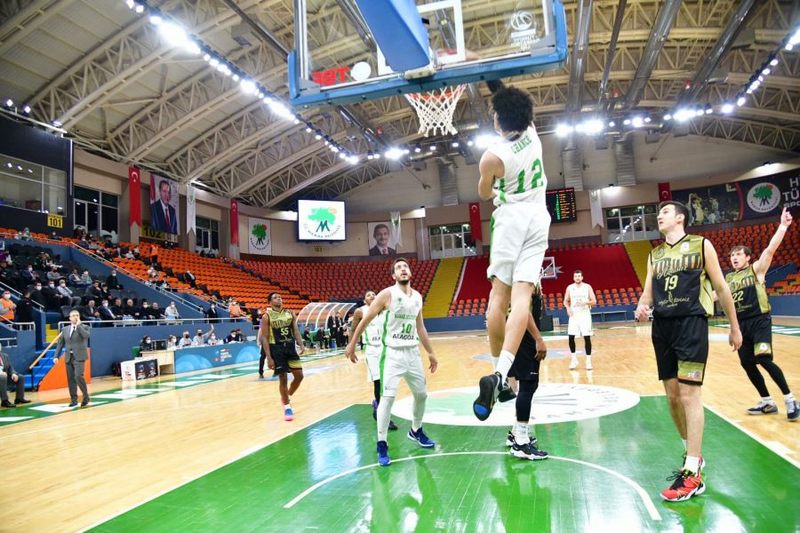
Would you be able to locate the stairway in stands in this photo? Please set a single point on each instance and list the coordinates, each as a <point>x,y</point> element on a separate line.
<point>638,252</point>
<point>443,287</point>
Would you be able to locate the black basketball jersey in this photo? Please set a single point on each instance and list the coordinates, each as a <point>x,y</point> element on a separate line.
<point>749,294</point>
<point>680,285</point>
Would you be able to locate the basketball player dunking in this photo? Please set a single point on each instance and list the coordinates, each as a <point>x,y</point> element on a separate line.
<point>512,174</point>
<point>680,273</point>
<point>579,299</point>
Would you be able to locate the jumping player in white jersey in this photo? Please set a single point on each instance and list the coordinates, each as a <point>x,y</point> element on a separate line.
<point>402,329</point>
<point>371,341</point>
<point>578,300</point>
<point>513,175</point>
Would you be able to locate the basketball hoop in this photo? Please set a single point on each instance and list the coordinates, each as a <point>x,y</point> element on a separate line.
<point>435,109</point>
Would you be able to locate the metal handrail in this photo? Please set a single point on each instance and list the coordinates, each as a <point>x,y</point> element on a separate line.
<point>18,294</point>
<point>157,321</point>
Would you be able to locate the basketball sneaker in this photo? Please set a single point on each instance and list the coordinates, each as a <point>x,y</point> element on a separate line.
<point>383,453</point>
<point>685,485</point>
<point>288,414</point>
<point>792,413</point>
<point>506,394</point>
<point>573,363</point>
<point>763,408</point>
<point>528,451</point>
<point>489,389</point>
<point>511,440</point>
<point>421,438</point>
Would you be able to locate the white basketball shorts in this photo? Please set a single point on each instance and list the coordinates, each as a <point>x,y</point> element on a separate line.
<point>401,363</point>
<point>580,324</point>
<point>518,242</point>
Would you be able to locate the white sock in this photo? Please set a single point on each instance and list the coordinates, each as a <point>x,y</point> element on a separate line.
<point>788,398</point>
<point>767,399</point>
<point>504,364</point>
<point>494,363</point>
<point>384,415</point>
<point>685,445</point>
<point>692,464</point>
<point>521,435</point>
<point>287,406</point>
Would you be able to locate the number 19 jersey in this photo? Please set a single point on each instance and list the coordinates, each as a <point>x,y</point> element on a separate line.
<point>400,323</point>
<point>680,285</point>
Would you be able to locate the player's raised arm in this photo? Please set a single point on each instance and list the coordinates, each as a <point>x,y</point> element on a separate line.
<point>761,266</point>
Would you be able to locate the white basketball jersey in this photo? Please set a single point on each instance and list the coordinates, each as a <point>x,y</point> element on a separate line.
<point>372,334</point>
<point>400,324</point>
<point>524,179</point>
<point>579,297</point>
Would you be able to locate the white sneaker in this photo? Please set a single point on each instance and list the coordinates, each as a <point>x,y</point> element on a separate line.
<point>573,364</point>
<point>588,362</point>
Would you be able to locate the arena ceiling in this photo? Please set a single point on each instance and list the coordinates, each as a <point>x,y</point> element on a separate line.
<point>103,71</point>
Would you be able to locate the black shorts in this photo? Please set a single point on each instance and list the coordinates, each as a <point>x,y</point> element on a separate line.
<point>525,366</point>
<point>681,346</point>
<point>756,339</point>
<point>285,357</point>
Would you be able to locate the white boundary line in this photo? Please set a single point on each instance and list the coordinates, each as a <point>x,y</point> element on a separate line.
<point>186,481</point>
<point>648,503</point>
<point>780,453</point>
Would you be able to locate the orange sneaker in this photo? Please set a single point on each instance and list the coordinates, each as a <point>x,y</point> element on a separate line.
<point>685,485</point>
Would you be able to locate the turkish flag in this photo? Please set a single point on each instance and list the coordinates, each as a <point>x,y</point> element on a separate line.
<point>475,221</point>
<point>234,223</point>
<point>134,190</point>
<point>664,192</point>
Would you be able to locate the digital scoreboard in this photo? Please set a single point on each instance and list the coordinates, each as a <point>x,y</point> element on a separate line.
<point>561,205</point>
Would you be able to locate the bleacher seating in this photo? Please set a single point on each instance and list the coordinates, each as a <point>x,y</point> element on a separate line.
<point>342,281</point>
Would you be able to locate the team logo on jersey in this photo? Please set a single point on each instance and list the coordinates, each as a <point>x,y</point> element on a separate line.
<point>554,402</point>
<point>763,348</point>
<point>659,252</point>
<point>684,247</point>
<point>763,197</point>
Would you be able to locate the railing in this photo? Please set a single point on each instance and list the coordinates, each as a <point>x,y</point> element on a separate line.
<point>8,342</point>
<point>20,326</point>
<point>156,322</point>
<point>18,294</point>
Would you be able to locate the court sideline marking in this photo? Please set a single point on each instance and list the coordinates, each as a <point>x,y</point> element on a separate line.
<point>648,503</point>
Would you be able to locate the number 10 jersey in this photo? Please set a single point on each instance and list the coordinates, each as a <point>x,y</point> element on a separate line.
<point>400,322</point>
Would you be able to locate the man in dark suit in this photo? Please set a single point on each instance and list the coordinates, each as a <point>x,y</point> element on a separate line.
<point>162,215</point>
<point>7,373</point>
<point>75,343</point>
<point>381,235</point>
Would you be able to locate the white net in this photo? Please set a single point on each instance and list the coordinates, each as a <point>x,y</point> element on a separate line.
<point>435,109</point>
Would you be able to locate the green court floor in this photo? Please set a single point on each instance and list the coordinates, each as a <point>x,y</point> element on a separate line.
<point>605,472</point>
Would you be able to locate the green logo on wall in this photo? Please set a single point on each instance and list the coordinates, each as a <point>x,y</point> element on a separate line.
<point>322,222</point>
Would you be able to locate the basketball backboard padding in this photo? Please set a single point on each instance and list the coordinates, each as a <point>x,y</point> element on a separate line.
<point>398,29</point>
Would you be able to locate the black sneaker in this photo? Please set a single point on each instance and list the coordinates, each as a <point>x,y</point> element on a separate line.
<point>763,408</point>
<point>506,393</point>
<point>510,440</point>
<point>528,451</point>
<point>489,388</point>
<point>392,426</point>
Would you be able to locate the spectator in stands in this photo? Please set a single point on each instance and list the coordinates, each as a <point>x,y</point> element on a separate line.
<point>51,296</point>
<point>7,373</point>
<point>255,317</point>
<point>212,339</point>
<point>74,278</point>
<point>172,342</point>
<point>94,293</point>
<point>116,308</point>
<point>146,344</point>
<point>234,336</point>
<point>7,307</point>
<point>24,311</point>
<point>163,284</point>
<point>211,312</point>
<point>53,274</point>
<point>25,235</point>
<point>190,279</point>
<point>37,295</point>
<point>89,311</point>
<point>307,338</point>
<point>143,313</point>
<point>185,340</point>
<point>136,253</point>
<point>104,292</point>
<point>152,275</point>
<point>156,312</point>
<point>235,310</point>
<point>154,255</point>
<point>106,313</point>
<point>200,337</point>
<point>29,276</point>
<point>54,236</point>
<point>171,312</point>
<point>66,294</point>
<point>86,279</point>
<point>129,255</point>
<point>112,281</point>
<point>129,310</point>
<point>42,261</point>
